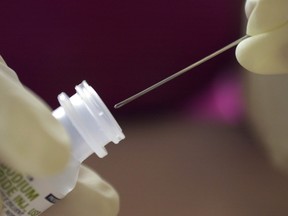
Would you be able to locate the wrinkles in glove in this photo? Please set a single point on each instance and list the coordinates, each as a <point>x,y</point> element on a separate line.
<point>32,140</point>
<point>266,51</point>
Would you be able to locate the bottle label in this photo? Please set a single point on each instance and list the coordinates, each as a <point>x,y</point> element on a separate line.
<point>21,195</point>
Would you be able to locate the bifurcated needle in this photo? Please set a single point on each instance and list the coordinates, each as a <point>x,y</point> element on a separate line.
<point>173,76</point>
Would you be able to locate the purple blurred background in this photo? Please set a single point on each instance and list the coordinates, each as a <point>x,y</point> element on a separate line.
<point>119,47</point>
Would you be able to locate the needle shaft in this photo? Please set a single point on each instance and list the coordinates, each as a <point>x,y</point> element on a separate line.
<point>173,76</point>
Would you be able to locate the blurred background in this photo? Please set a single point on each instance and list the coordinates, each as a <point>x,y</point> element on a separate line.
<point>187,150</point>
<point>118,47</point>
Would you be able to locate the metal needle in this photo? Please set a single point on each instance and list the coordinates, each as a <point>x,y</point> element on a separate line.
<point>173,76</point>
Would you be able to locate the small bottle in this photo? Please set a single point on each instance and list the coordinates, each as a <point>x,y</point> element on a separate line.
<point>90,126</point>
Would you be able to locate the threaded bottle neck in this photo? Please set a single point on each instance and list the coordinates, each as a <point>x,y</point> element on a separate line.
<point>88,122</point>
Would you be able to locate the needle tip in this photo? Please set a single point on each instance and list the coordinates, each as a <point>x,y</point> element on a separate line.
<point>118,105</point>
<point>124,102</point>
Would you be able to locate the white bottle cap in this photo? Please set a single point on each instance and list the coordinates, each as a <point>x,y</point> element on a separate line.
<point>88,122</point>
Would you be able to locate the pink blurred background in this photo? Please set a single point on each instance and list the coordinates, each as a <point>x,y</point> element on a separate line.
<point>119,47</point>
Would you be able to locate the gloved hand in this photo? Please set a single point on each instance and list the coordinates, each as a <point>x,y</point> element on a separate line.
<point>29,134</point>
<point>34,142</point>
<point>266,51</point>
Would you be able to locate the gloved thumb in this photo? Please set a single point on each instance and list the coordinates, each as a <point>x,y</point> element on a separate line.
<point>265,53</point>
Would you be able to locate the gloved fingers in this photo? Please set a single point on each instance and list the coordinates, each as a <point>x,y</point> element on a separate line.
<point>265,15</point>
<point>91,196</point>
<point>31,139</point>
<point>265,53</point>
<point>8,71</point>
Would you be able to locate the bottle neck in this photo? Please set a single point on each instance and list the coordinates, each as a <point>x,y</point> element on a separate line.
<point>88,122</point>
<point>80,150</point>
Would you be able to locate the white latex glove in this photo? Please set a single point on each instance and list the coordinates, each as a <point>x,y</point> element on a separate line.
<point>266,51</point>
<point>32,141</point>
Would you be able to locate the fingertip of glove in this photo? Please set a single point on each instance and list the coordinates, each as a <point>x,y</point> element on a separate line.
<point>262,54</point>
<point>243,56</point>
